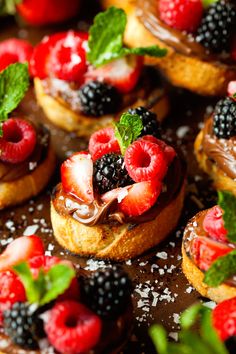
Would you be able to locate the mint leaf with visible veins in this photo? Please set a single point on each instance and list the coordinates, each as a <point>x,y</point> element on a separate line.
<point>127,130</point>
<point>227,202</point>
<point>221,269</point>
<point>14,82</point>
<point>106,39</point>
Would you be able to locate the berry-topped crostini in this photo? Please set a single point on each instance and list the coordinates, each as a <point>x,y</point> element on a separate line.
<point>199,36</point>
<point>27,160</point>
<point>84,80</point>
<point>48,307</point>
<point>122,197</point>
<point>201,330</point>
<point>14,50</point>
<point>209,250</point>
<point>215,145</point>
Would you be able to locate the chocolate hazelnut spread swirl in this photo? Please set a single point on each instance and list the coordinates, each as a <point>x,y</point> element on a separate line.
<point>220,151</point>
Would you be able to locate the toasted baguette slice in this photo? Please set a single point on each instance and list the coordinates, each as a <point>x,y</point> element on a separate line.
<point>195,277</point>
<point>16,192</point>
<point>220,179</point>
<point>192,73</point>
<point>62,116</point>
<point>117,242</point>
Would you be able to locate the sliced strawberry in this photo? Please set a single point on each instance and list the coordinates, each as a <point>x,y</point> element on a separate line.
<point>122,73</point>
<point>232,88</point>
<point>168,150</point>
<point>213,224</point>
<point>77,177</point>
<point>14,50</point>
<point>205,251</point>
<point>103,142</point>
<point>224,319</point>
<point>117,193</point>
<point>21,249</point>
<point>141,197</point>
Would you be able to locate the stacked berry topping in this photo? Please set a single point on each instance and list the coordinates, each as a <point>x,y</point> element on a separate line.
<point>224,118</point>
<point>120,165</point>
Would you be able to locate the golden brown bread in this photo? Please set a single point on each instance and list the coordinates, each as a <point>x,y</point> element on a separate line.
<point>220,179</point>
<point>192,73</point>
<point>65,118</point>
<point>117,242</point>
<point>195,277</point>
<point>16,192</point>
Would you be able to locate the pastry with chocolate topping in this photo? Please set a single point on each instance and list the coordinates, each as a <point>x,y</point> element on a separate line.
<point>48,307</point>
<point>215,145</point>
<point>83,81</point>
<point>209,250</point>
<point>27,159</point>
<point>199,36</point>
<point>122,197</point>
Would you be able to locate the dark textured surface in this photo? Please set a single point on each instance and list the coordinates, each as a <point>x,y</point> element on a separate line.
<point>161,291</point>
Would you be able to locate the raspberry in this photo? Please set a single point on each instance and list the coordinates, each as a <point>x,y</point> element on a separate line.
<point>168,150</point>
<point>18,141</point>
<point>72,328</point>
<point>11,291</point>
<point>213,224</point>
<point>145,161</point>
<point>224,318</point>
<point>149,120</point>
<point>14,50</point>
<point>224,118</point>
<point>103,142</point>
<point>184,15</point>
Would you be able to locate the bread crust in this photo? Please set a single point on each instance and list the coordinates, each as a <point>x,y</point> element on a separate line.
<point>192,73</point>
<point>62,116</point>
<point>120,242</point>
<point>220,180</point>
<point>17,191</point>
<point>195,277</point>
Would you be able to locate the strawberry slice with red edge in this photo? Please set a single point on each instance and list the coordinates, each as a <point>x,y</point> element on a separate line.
<point>14,50</point>
<point>224,318</point>
<point>213,224</point>
<point>77,177</point>
<point>121,73</point>
<point>205,251</point>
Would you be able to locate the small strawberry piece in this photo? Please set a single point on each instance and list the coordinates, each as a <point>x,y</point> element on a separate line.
<point>205,251</point>
<point>77,177</point>
<point>145,161</point>
<point>11,291</point>
<point>103,142</point>
<point>141,197</point>
<point>224,318</point>
<point>184,15</point>
<point>168,150</point>
<point>213,224</point>
<point>72,328</point>
<point>14,50</point>
<point>117,193</point>
<point>20,250</point>
<point>122,73</point>
<point>232,88</point>
<point>18,141</point>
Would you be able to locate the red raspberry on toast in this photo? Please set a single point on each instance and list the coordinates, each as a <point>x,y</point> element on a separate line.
<point>224,318</point>
<point>103,142</point>
<point>14,50</point>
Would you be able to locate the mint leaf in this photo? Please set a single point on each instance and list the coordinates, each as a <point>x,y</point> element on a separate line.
<point>14,82</point>
<point>8,7</point>
<point>221,269</point>
<point>159,338</point>
<point>127,130</point>
<point>207,3</point>
<point>106,39</point>
<point>227,202</point>
<point>190,315</point>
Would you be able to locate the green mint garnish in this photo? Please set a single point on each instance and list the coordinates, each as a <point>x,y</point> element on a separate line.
<point>14,82</point>
<point>48,285</point>
<point>8,7</point>
<point>106,39</point>
<point>207,3</point>
<point>127,130</point>
<point>221,269</point>
<point>227,202</point>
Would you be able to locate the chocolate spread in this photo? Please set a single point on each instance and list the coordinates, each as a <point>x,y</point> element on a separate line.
<point>182,42</point>
<point>219,151</point>
<point>10,172</point>
<point>99,212</point>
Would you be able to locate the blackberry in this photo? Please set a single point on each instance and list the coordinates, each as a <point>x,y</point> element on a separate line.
<point>224,118</point>
<point>22,325</point>
<point>107,292</point>
<point>98,98</point>
<point>217,27</point>
<point>149,119</point>
<point>230,344</point>
<point>110,173</point>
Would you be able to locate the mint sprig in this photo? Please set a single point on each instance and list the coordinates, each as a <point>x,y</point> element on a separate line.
<point>221,269</point>
<point>227,202</point>
<point>106,39</point>
<point>127,130</point>
<point>8,7</point>
<point>48,285</point>
<point>14,82</point>
<point>207,3</point>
